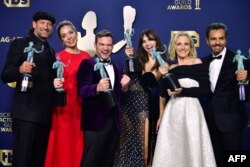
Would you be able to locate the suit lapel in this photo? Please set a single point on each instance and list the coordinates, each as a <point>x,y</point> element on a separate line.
<point>225,66</point>
<point>116,76</point>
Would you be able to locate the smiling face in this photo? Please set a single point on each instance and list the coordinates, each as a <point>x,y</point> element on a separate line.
<point>216,40</point>
<point>182,46</point>
<point>42,28</point>
<point>148,44</point>
<point>68,36</point>
<point>104,46</point>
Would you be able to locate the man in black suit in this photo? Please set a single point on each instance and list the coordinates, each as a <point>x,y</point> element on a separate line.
<point>225,112</point>
<point>31,111</point>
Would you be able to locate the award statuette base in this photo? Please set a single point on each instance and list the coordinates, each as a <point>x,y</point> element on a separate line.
<point>109,98</point>
<point>60,98</point>
<point>242,94</point>
<point>171,81</point>
<point>26,83</point>
<point>131,64</point>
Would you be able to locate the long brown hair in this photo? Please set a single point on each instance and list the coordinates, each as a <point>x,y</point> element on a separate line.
<point>142,54</point>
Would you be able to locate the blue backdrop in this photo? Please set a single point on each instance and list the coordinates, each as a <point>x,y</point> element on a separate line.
<point>164,16</point>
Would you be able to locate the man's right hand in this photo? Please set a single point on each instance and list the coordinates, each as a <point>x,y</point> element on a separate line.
<point>129,51</point>
<point>103,85</point>
<point>26,67</point>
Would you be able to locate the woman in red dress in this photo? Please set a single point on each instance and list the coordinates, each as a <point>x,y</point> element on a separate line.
<point>65,145</point>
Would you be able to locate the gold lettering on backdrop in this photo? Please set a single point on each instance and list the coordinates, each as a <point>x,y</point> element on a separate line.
<point>181,5</point>
<point>184,5</point>
<point>195,36</point>
<point>17,3</point>
<point>6,157</point>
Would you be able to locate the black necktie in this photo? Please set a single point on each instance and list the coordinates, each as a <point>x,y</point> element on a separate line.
<point>216,57</point>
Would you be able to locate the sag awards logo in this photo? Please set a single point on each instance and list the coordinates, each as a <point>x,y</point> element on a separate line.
<point>6,157</point>
<point>195,36</point>
<point>17,3</point>
<point>7,39</point>
<point>184,5</point>
<point>5,122</point>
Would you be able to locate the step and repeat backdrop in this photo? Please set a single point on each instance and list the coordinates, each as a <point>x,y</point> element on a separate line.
<point>90,16</point>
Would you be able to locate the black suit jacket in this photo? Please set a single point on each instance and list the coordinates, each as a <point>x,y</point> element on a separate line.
<point>37,105</point>
<point>224,110</point>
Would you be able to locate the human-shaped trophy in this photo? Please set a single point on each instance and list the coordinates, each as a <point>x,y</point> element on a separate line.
<point>27,83</point>
<point>127,36</point>
<point>129,14</point>
<point>239,58</point>
<point>157,55</point>
<point>108,96</point>
<point>130,61</point>
<point>100,66</point>
<point>169,80</point>
<point>60,92</point>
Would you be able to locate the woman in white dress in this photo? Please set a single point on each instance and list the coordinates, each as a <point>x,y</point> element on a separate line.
<point>183,138</point>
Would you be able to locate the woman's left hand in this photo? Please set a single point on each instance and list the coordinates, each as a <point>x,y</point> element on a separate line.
<point>175,92</point>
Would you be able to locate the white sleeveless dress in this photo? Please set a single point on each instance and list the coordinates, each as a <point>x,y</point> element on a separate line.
<point>183,139</point>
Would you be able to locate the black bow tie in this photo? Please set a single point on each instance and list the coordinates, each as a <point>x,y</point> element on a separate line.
<point>106,62</point>
<point>216,57</point>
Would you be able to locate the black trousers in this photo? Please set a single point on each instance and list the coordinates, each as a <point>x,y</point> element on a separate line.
<point>100,147</point>
<point>225,141</point>
<point>30,143</point>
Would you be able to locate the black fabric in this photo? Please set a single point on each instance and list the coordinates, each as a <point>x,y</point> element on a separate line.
<point>30,143</point>
<point>216,57</point>
<point>148,81</point>
<point>225,113</point>
<point>37,105</point>
<point>106,62</point>
<point>100,146</point>
<point>44,15</point>
<point>198,72</point>
<point>171,80</point>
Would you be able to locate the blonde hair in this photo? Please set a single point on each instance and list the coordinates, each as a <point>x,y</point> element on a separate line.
<point>172,46</point>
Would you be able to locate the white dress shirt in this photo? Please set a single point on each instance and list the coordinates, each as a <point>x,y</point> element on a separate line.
<point>214,69</point>
<point>110,70</point>
<point>111,73</point>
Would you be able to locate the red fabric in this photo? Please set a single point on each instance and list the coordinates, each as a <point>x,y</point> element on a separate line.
<point>65,145</point>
